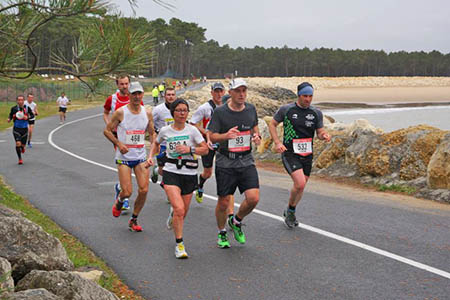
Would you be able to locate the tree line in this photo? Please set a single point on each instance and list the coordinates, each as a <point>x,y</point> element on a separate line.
<point>182,48</point>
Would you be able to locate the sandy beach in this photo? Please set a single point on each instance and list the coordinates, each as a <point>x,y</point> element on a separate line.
<point>383,95</point>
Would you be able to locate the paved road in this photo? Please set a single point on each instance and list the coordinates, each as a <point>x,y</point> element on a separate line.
<point>306,263</point>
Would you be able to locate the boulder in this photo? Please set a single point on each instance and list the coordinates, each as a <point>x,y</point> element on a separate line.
<point>27,246</point>
<point>438,170</point>
<point>6,281</point>
<point>8,212</point>
<point>34,294</point>
<point>333,151</point>
<point>93,275</point>
<point>66,285</point>
<point>266,139</point>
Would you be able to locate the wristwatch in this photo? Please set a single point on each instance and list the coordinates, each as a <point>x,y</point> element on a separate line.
<point>192,150</point>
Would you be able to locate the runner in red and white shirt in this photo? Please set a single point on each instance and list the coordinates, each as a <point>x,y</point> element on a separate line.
<point>118,99</point>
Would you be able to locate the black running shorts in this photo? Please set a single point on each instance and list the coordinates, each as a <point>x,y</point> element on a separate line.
<point>228,179</point>
<point>208,159</point>
<point>20,135</point>
<point>62,109</point>
<point>293,162</point>
<point>187,183</point>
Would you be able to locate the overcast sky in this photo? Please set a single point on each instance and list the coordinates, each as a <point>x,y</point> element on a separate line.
<point>390,25</point>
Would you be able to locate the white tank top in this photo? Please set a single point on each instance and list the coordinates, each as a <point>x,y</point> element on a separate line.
<point>131,132</point>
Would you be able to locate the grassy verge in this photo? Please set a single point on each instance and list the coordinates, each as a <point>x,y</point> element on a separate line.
<point>46,109</point>
<point>79,254</point>
<point>397,188</point>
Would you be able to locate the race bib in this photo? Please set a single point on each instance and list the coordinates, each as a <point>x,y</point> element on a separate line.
<point>168,121</point>
<point>302,147</point>
<point>240,143</point>
<point>135,138</point>
<point>172,144</point>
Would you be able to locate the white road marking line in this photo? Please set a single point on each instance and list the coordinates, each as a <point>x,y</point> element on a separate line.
<point>275,217</point>
<point>2,141</point>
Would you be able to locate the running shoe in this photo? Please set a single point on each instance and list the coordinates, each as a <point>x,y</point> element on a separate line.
<point>237,230</point>
<point>169,221</point>
<point>199,195</point>
<point>154,176</point>
<point>126,204</point>
<point>222,240</point>
<point>29,145</point>
<point>116,191</point>
<point>20,162</point>
<point>180,252</point>
<point>133,225</point>
<point>289,218</point>
<point>117,208</point>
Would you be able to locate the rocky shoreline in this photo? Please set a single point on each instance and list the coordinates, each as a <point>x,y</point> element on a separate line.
<point>35,266</point>
<point>416,159</point>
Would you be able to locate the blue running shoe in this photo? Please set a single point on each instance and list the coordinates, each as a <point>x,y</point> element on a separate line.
<point>29,145</point>
<point>116,191</point>
<point>126,204</point>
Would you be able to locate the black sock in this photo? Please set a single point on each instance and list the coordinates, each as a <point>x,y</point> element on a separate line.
<point>201,181</point>
<point>291,208</point>
<point>237,219</point>
<point>19,152</point>
<point>180,240</point>
<point>133,216</point>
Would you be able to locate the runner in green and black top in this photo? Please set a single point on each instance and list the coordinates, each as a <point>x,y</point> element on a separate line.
<point>235,126</point>
<point>300,122</point>
<point>20,114</point>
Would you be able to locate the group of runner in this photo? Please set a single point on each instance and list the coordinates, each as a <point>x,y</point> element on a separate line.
<point>222,130</point>
<point>225,131</point>
<point>23,115</point>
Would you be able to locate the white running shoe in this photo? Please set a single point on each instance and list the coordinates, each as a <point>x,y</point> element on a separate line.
<point>180,252</point>
<point>169,221</point>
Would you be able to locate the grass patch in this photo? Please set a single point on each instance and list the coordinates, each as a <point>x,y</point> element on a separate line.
<point>397,188</point>
<point>47,109</point>
<point>79,254</point>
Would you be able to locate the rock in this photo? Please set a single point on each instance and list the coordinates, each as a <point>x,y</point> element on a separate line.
<point>27,246</point>
<point>331,153</point>
<point>93,275</point>
<point>6,280</point>
<point>34,294</point>
<point>266,139</point>
<point>361,125</point>
<point>66,285</point>
<point>8,212</point>
<point>438,170</point>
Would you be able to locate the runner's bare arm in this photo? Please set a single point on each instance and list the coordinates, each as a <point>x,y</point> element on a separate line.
<point>219,137</point>
<point>279,147</point>
<point>256,138</point>
<point>200,128</point>
<point>201,149</point>
<point>150,126</point>
<point>116,118</point>
<point>322,134</point>
<point>154,149</point>
<point>106,116</point>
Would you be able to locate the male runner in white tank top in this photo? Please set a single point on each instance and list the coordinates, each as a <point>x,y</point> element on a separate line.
<point>132,122</point>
